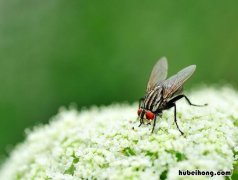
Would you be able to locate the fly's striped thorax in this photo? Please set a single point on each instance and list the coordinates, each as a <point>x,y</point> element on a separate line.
<point>153,98</point>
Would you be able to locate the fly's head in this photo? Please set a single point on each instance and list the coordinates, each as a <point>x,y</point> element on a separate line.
<point>145,114</point>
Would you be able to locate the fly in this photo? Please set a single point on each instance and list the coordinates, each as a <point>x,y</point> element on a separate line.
<point>161,93</point>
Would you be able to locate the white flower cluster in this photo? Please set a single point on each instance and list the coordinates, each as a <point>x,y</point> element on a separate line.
<point>106,142</point>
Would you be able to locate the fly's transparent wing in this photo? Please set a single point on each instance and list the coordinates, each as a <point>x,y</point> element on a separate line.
<point>158,74</point>
<point>175,83</point>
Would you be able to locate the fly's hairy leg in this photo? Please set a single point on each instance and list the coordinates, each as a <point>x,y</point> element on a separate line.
<point>186,98</point>
<point>141,122</point>
<point>140,101</point>
<point>154,124</point>
<point>141,118</point>
<point>175,118</point>
<point>170,105</point>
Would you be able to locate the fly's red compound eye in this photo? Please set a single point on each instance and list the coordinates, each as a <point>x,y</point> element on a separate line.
<point>139,111</point>
<point>149,115</point>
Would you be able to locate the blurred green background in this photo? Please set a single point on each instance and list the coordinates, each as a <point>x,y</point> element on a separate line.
<point>90,52</point>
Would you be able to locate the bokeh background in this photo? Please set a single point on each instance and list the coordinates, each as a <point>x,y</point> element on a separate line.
<point>93,52</point>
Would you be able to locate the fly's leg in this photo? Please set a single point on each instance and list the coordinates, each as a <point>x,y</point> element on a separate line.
<point>175,118</point>
<point>170,105</point>
<point>153,125</point>
<point>189,102</point>
<point>141,122</point>
<point>140,101</point>
<point>186,98</point>
<point>141,118</point>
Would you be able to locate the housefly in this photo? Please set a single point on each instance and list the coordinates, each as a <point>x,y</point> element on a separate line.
<point>161,93</point>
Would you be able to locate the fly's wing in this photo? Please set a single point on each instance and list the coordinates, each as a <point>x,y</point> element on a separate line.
<point>175,83</point>
<point>158,74</point>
